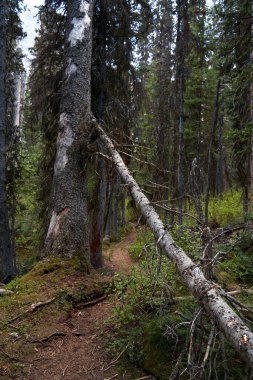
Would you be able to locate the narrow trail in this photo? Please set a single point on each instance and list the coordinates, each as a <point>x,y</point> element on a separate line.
<point>80,354</point>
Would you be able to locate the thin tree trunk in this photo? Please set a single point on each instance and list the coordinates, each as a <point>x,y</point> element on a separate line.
<point>180,178</point>
<point>116,205</point>
<point>68,232</point>
<point>219,170</point>
<point>16,123</point>
<point>208,293</point>
<point>108,217</point>
<point>246,202</point>
<point>210,153</point>
<point>6,256</point>
<point>173,174</point>
<point>97,227</point>
<point>123,209</point>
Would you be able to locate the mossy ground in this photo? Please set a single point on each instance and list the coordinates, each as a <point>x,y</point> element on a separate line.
<point>50,278</point>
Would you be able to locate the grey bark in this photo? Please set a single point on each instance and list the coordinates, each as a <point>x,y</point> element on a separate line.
<point>219,169</point>
<point>251,116</point>
<point>18,97</point>
<point>97,227</point>
<point>68,232</point>
<point>7,265</point>
<point>116,205</point>
<point>207,292</point>
<point>210,153</point>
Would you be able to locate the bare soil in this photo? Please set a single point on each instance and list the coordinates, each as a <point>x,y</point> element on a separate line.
<point>79,350</point>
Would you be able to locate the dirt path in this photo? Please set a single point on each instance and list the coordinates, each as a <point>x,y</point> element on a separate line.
<point>80,353</point>
<point>119,259</point>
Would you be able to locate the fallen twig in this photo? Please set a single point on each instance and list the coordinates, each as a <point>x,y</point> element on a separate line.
<point>32,308</point>
<point>9,356</point>
<point>114,361</point>
<point>45,339</point>
<point>91,303</point>
<point>113,377</point>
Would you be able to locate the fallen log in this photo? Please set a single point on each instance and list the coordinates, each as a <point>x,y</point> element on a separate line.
<point>208,293</point>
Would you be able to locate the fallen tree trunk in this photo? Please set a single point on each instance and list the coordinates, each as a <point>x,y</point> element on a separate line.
<point>208,293</point>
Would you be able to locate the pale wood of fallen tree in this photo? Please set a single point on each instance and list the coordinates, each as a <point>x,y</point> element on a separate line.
<point>4,292</point>
<point>208,293</point>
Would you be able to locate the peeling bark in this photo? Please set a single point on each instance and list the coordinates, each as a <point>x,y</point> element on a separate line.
<point>68,232</point>
<point>208,293</point>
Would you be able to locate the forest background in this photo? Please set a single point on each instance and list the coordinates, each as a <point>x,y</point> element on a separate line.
<point>171,82</point>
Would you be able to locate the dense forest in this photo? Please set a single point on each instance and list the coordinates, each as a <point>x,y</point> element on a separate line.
<point>126,176</point>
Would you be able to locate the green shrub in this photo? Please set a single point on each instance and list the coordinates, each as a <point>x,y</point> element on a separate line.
<point>239,266</point>
<point>226,210</point>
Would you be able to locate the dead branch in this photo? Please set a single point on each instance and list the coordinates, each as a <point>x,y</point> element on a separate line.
<point>9,356</point>
<point>208,348</point>
<point>144,162</point>
<point>226,232</point>
<point>32,308</point>
<point>47,338</point>
<point>156,204</point>
<point>91,303</point>
<point>114,361</point>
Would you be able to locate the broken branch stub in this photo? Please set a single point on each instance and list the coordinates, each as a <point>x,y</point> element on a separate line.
<point>208,293</point>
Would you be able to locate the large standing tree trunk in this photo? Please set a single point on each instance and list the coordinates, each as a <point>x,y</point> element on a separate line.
<point>68,232</point>
<point>251,115</point>
<point>7,265</point>
<point>207,292</point>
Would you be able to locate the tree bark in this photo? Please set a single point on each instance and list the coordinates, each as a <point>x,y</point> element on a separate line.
<point>208,293</point>
<point>7,265</point>
<point>97,226</point>
<point>68,232</point>
<point>210,153</point>
<point>219,169</point>
<point>251,116</point>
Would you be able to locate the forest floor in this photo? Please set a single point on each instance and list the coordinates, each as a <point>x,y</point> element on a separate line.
<point>71,346</point>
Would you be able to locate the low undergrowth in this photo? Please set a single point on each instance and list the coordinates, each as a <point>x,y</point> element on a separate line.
<point>153,314</point>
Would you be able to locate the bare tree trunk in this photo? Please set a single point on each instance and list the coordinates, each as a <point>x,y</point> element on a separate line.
<point>68,232</point>
<point>173,173</point>
<point>208,293</point>
<point>180,178</point>
<point>15,138</point>
<point>6,255</point>
<point>97,225</point>
<point>116,205</point>
<point>210,153</point>
<point>246,202</point>
<point>108,217</point>
<point>219,169</point>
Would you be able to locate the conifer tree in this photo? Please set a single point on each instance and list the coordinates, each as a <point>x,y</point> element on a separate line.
<point>10,31</point>
<point>68,232</point>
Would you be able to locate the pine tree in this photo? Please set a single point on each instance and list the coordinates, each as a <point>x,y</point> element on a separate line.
<point>10,31</point>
